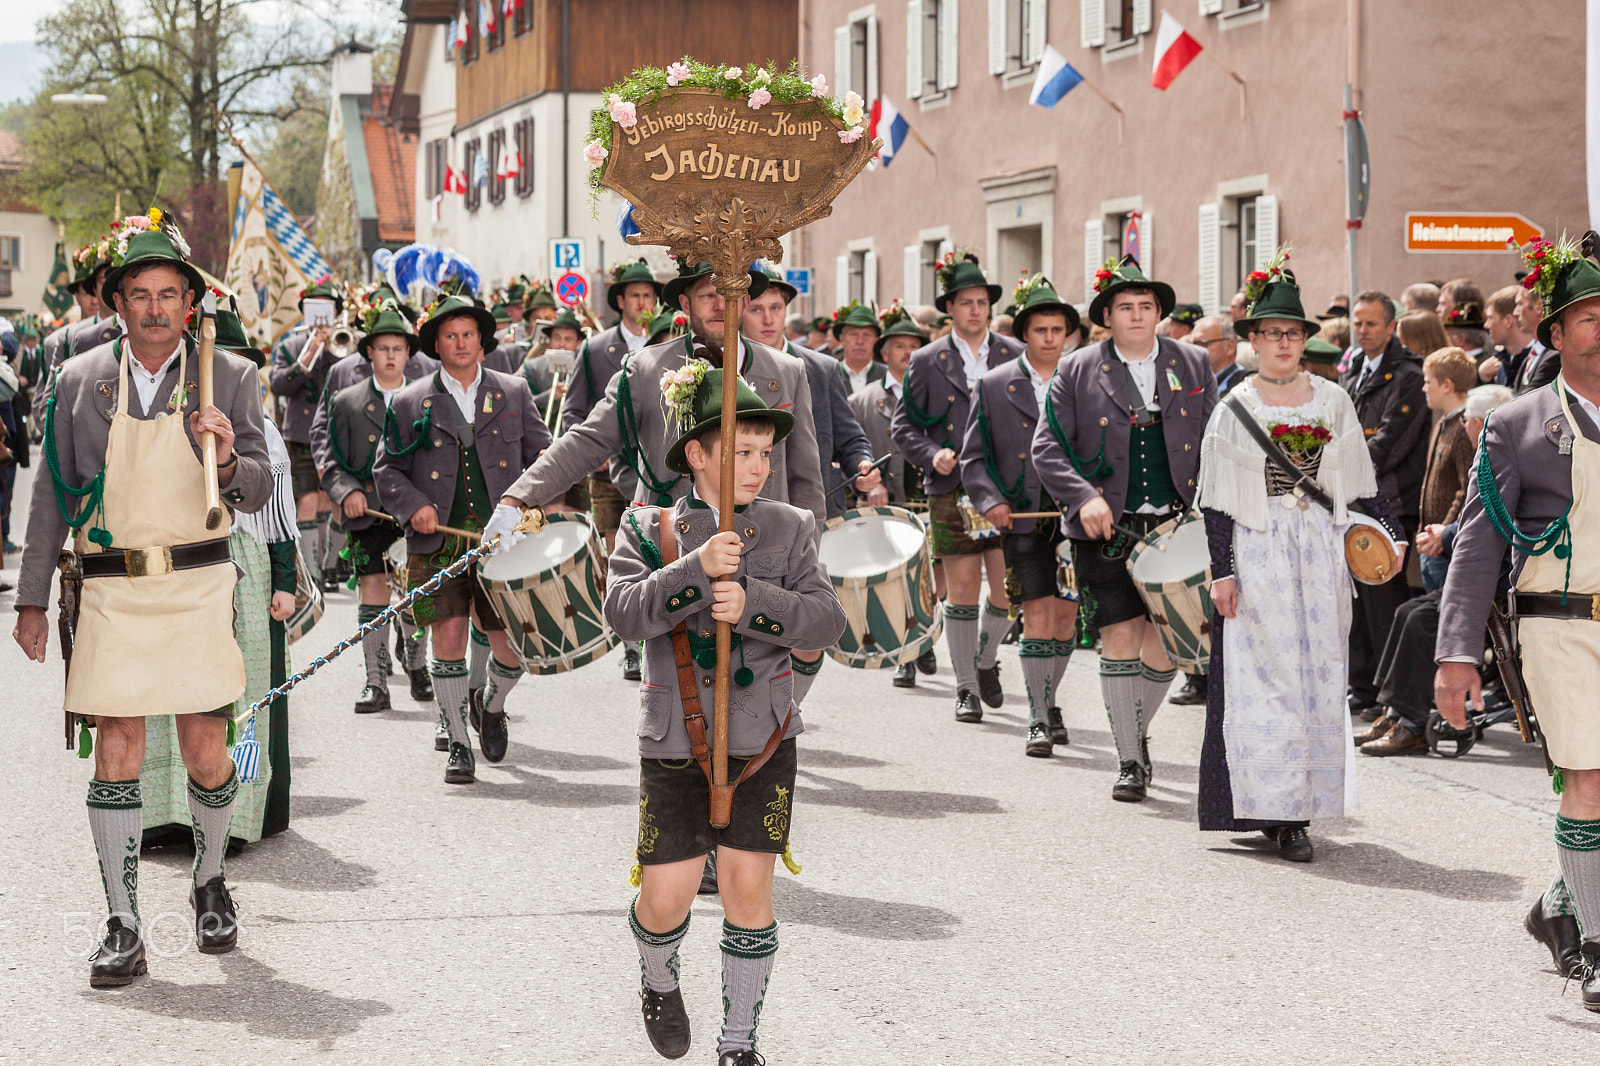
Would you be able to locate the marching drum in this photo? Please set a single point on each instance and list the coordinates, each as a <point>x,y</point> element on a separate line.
<point>1172,571</point>
<point>307,601</point>
<point>977,525</point>
<point>394,561</point>
<point>882,571</point>
<point>1066,576</point>
<point>548,592</point>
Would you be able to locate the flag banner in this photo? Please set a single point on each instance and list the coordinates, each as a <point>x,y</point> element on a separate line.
<point>625,223</point>
<point>1175,49</point>
<point>270,259</point>
<point>890,125</point>
<point>480,170</point>
<point>438,207</point>
<point>1056,78</point>
<point>56,297</point>
<point>486,15</point>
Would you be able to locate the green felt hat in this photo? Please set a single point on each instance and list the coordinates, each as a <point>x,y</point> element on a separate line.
<point>855,313</point>
<point>706,415</point>
<point>30,330</point>
<point>517,290</point>
<point>665,323</point>
<point>775,281</point>
<point>688,275</point>
<point>1187,314</point>
<point>321,289</point>
<point>457,305</point>
<point>821,323</point>
<point>538,296</point>
<point>387,319</point>
<point>1576,281</point>
<point>959,274</point>
<point>1041,296</point>
<point>231,336</point>
<point>1125,274</point>
<point>1279,299</point>
<point>1321,351</point>
<point>1466,315</point>
<point>895,321</point>
<point>85,261</point>
<point>567,320</point>
<point>502,317</point>
<point>625,274</point>
<point>147,247</point>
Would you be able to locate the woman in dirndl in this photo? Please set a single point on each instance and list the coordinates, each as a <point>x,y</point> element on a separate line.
<point>263,545</point>
<point>1277,750</point>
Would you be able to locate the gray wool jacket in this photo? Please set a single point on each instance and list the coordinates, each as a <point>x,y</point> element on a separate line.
<point>937,383</point>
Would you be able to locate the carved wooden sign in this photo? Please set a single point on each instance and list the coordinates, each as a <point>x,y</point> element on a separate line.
<point>715,180</point>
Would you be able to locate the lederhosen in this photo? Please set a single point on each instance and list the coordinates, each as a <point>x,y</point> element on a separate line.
<point>366,547</point>
<point>469,510</point>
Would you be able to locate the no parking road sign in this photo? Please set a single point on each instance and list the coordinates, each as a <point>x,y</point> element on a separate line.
<point>571,289</point>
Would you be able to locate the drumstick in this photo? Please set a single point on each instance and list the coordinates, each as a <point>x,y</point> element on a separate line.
<point>877,464</point>
<point>208,441</point>
<point>452,530</point>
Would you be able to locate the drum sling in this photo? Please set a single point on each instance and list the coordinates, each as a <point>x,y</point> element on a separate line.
<point>694,719</point>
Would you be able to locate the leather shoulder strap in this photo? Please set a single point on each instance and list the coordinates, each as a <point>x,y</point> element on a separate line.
<point>1275,455</point>
<point>694,719</point>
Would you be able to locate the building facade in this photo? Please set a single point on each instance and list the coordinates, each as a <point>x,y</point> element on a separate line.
<point>27,240</point>
<point>1229,174</point>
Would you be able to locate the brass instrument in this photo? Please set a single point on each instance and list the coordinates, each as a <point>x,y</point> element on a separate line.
<point>342,337</point>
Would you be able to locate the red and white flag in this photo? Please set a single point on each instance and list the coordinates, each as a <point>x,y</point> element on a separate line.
<point>508,8</point>
<point>463,30</point>
<point>513,163</point>
<point>438,207</point>
<point>1175,49</point>
<point>486,12</point>
<point>454,180</point>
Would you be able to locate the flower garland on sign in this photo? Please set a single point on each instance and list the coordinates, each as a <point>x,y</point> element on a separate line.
<point>1257,282</point>
<point>678,388</point>
<point>756,86</point>
<point>1545,261</point>
<point>1301,437</point>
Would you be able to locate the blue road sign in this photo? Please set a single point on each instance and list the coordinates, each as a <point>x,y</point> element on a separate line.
<point>800,278</point>
<point>566,255</point>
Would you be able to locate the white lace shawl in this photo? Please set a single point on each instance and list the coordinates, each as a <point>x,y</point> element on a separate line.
<point>1233,467</point>
<point>275,522</point>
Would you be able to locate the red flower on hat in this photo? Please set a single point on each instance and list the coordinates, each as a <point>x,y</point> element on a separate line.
<point>1258,275</point>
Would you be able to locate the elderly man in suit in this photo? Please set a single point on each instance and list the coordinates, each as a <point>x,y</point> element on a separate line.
<point>1119,444</point>
<point>451,446</point>
<point>97,324</point>
<point>155,634</point>
<point>1542,452</point>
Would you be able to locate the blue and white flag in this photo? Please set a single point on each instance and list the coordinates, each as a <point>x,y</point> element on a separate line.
<point>270,257</point>
<point>625,223</point>
<point>890,125</point>
<point>1056,78</point>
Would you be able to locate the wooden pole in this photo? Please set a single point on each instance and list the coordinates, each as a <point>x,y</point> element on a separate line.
<point>1230,72</point>
<point>208,441</point>
<point>449,530</point>
<point>733,290</point>
<point>1111,103</point>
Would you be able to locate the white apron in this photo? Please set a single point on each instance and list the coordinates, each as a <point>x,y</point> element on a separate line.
<point>159,643</point>
<point>1561,656</point>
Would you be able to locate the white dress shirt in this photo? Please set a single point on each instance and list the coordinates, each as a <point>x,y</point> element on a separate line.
<point>633,340</point>
<point>974,363</point>
<point>892,386</point>
<point>465,398</point>
<point>144,382</point>
<point>1144,373</point>
<point>1041,385</point>
<point>854,380</point>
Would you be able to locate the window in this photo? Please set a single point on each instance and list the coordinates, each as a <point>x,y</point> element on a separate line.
<point>931,48</point>
<point>475,161</point>
<point>1225,8</point>
<point>1238,234</point>
<point>1123,228</point>
<point>11,253</point>
<point>5,282</point>
<point>469,51</point>
<point>436,161</point>
<point>496,37</point>
<point>1113,22</point>
<point>522,145</point>
<point>1016,35</point>
<point>450,42</point>
<point>496,159</point>
<point>523,22</point>
<point>855,57</point>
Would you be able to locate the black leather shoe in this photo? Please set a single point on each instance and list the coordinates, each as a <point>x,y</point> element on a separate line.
<point>708,879</point>
<point>1294,844</point>
<point>905,676</point>
<point>1131,783</point>
<point>1039,744</point>
<point>1560,935</point>
<point>630,662</point>
<point>928,662</point>
<point>119,959</point>
<point>462,769</point>
<point>1360,704</point>
<point>1591,976</point>
<point>372,700</point>
<point>402,652</point>
<point>330,581</point>
<point>216,922</point>
<point>494,736</point>
<point>666,1023</point>
<point>422,687</point>
<point>967,708</point>
<point>989,685</point>
<point>748,1057</point>
<point>1144,760</point>
<point>1058,731</point>
<point>475,708</point>
<point>441,735</point>
<point>1192,693</point>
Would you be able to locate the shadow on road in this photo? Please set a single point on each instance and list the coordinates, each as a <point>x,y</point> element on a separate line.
<point>250,994</point>
<point>545,791</point>
<point>858,916</point>
<point>836,760</point>
<point>322,806</point>
<point>1375,866</point>
<point>893,802</point>
<point>289,860</point>
<point>526,755</point>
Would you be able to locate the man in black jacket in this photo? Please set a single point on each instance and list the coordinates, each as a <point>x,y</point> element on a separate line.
<point>1385,380</point>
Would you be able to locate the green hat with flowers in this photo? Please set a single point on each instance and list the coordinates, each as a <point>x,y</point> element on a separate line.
<point>516,290</point>
<point>625,274</point>
<point>896,321</point>
<point>1273,293</point>
<point>428,332</point>
<point>693,395</point>
<point>87,260</point>
<point>664,323</point>
<point>688,275</point>
<point>1562,274</point>
<point>385,317</point>
<point>955,274</point>
<point>822,323</point>
<point>855,313</point>
<point>1034,294</point>
<point>145,240</point>
<point>1119,274</point>
<point>774,281</point>
<point>324,288</point>
<point>539,295</point>
<point>567,320</point>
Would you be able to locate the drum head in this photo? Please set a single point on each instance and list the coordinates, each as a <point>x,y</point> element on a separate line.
<point>865,544</point>
<point>1186,554</point>
<point>537,552</point>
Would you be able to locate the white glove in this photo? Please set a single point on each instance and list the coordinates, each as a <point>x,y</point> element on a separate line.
<point>503,523</point>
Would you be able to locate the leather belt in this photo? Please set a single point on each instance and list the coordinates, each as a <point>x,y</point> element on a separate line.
<point>1549,605</point>
<point>150,562</point>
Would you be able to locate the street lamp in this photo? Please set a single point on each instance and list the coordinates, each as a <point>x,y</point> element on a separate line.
<point>78,98</point>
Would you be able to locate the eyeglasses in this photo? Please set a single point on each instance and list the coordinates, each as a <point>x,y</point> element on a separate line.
<point>1217,340</point>
<point>141,300</point>
<point>1294,336</point>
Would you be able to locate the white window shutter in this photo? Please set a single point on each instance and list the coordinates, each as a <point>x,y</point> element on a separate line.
<point>869,279</point>
<point>1141,16</point>
<point>949,35</point>
<point>1146,253</point>
<point>841,281</point>
<point>914,48</point>
<point>841,61</point>
<point>1094,253</point>
<point>1210,7</point>
<point>911,266</point>
<point>1033,15</point>
<point>1266,230</point>
<point>997,36</point>
<point>1210,258</point>
<point>1093,15</point>
<point>872,60</point>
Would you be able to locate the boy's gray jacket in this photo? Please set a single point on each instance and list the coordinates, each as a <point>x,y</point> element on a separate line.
<point>789,603</point>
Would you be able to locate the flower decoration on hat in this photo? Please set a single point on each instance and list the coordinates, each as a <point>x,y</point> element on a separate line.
<point>678,388</point>
<point>1106,274</point>
<point>1546,260</point>
<point>1257,282</point>
<point>1469,311</point>
<point>946,267</point>
<point>892,314</point>
<point>1026,285</point>
<point>154,220</point>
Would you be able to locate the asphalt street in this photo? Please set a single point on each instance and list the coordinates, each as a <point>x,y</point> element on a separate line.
<point>959,903</point>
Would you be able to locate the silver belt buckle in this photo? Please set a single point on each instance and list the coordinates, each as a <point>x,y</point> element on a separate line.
<point>148,562</point>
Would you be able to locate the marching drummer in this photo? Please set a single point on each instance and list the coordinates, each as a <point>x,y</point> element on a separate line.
<point>671,579</point>
<point>451,446</point>
<point>355,418</point>
<point>998,472</point>
<point>930,425</point>
<point>1119,444</point>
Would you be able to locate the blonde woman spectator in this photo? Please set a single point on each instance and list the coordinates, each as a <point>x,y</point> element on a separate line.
<point>1422,333</point>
